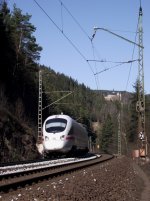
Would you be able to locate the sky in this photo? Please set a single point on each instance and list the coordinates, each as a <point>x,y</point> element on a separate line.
<point>64,29</point>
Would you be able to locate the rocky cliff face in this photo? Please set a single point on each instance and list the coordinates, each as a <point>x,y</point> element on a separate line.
<point>17,140</point>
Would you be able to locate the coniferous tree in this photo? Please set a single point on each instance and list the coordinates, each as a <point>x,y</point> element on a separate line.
<point>133,127</point>
<point>107,134</point>
<point>22,33</point>
<point>7,53</point>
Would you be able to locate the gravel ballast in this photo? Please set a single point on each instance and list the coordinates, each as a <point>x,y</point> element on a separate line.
<point>115,180</point>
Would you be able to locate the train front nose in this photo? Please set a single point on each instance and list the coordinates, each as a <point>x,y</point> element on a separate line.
<point>53,142</point>
<point>54,134</point>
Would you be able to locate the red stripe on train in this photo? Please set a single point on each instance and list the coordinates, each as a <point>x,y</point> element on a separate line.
<point>70,138</point>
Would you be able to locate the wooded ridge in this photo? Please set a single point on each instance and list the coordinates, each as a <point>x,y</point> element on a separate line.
<point>19,85</point>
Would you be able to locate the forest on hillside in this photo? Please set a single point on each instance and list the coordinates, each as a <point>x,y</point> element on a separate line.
<point>19,89</point>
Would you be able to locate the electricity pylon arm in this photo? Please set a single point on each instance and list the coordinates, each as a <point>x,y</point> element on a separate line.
<point>119,36</point>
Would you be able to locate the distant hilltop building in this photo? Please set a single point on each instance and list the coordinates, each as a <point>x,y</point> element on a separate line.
<point>113,97</point>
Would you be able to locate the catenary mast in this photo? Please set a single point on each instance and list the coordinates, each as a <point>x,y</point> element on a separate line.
<point>140,106</point>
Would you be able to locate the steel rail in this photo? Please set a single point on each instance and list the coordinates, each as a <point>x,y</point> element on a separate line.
<point>24,179</point>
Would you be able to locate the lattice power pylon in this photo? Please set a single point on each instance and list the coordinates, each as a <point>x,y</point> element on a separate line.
<point>40,108</point>
<point>119,127</point>
<point>140,106</point>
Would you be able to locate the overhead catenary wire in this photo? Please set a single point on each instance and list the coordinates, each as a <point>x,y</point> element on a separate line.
<point>58,100</point>
<point>96,77</point>
<point>121,62</point>
<point>72,43</point>
<point>75,47</point>
<point>62,22</point>
<point>68,39</point>
<point>62,31</point>
<point>132,57</point>
<point>82,29</point>
<point>85,33</point>
<point>114,66</point>
<point>94,50</point>
<point>134,43</point>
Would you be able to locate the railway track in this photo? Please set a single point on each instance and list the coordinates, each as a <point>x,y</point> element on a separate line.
<point>22,178</point>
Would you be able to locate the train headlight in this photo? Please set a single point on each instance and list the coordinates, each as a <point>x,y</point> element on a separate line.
<point>46,138</point>
<point>62,137</point>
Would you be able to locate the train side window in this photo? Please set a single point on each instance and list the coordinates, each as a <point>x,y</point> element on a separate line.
<point>71,131</point>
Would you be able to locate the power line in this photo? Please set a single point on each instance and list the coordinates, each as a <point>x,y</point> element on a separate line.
<point>120,62</point>
<point>60,30</point>
<point>69,40</point>
<point>86,34</point>
<point>96,77</point>
<point>82,29</point>
<point>134,43</point>
<point>132,58</point>
<point>74,19</point>
<point>62,17</point>
<point>114,67</point>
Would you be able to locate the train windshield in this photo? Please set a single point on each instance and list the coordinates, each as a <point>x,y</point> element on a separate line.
<point>55,125</point>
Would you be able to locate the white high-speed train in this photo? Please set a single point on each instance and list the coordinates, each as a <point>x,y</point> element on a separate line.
<point>62,134</point>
